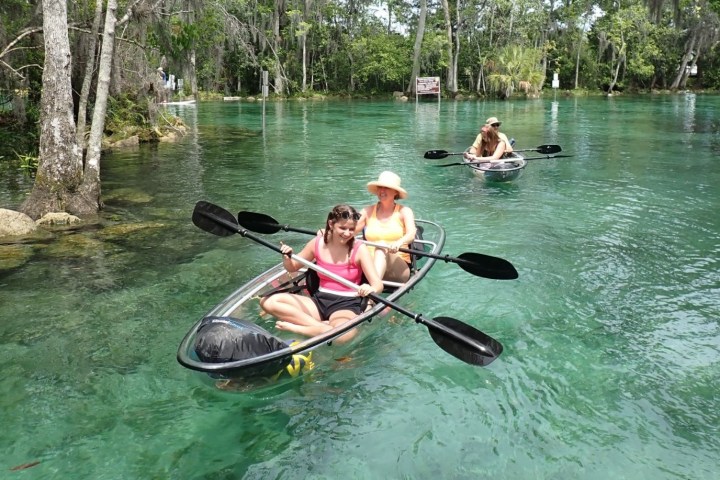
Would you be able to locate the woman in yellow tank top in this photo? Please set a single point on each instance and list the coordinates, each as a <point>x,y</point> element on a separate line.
<point>391,224</point>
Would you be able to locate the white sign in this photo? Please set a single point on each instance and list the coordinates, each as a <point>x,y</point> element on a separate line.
<point>555,81</point>
<point>427,85</point>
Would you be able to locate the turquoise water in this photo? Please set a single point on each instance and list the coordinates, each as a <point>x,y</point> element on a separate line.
<point>612,343</point>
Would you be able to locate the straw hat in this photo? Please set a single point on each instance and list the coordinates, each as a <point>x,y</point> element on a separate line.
<point>387,180</point>
<point>492,120</point>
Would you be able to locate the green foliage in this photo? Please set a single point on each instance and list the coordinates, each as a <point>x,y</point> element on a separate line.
<point>14,14</point>
<point>125,113</point>
<point>184,36</point>
<point>18,140</point>
<point>433,57</point>
<point>349,49</point>
<point>382,61</point>
<point>714,6</point>
<point>516,68</point>
<point>710,68</point>
<point>28,161</point>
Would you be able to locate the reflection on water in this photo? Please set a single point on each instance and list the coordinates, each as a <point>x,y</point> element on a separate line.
<point>611,338</point>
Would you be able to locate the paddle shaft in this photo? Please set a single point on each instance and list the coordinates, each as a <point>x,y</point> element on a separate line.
<point>547,157</point>
<point>474,263</point>
<point>377,298</point>
<point>446,258</point>
<point>544,149</point>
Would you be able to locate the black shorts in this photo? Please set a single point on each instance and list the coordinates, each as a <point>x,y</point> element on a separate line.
<point>328,303</point>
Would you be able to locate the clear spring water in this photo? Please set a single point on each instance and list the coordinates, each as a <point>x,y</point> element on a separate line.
<point>611,365</point>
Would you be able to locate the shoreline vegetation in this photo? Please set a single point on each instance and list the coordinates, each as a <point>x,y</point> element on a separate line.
<point>127,126</point>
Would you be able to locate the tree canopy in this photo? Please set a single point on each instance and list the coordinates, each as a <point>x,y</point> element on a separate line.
<point>67,69</point>
<point>358,46</point>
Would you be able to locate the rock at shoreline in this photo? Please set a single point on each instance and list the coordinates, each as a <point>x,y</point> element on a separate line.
<point>17,224</point>
<point>14,223</point>
<point>58,218</point>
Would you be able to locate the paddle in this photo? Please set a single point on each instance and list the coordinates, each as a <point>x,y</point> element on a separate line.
<point>455,337</point>
<point>437,154</point>
<point>475,263</point>
<point>544,149</point>
<point>548,157</point>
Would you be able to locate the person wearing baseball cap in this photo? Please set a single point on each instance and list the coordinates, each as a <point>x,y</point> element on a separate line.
<point>495,123</point>
<point>490,144</point>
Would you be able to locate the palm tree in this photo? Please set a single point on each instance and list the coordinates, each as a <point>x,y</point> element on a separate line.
<point>517,68</point>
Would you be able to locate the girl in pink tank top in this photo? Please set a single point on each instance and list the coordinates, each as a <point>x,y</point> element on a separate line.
<point>334,303</point>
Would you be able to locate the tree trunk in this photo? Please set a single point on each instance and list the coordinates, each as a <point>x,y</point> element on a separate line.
<point>89,71</point>
<point>689,68</point>
<point>456,55</point>
<point>418,46</point>
<point>304,63</point>
<point>577,63</point>
<point>91,180</point>
<point>279,84</point>
<point>620,61</point>
<point>190,71</point>
<point>389,24</point>
<point>60,168</point>
<point>451,80</point>
<point>685,60</point>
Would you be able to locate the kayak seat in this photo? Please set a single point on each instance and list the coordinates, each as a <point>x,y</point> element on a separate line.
<point>297,284</point>
<point>416,246</point>
<point>312,281</point>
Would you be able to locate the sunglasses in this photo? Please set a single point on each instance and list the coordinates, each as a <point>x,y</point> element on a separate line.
<point>347,216</point>
<point>496,125</point>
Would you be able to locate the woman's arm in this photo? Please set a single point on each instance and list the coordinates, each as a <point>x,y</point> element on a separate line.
<point>308,253</point>
<point>508,145</point>
<point>497,155</point>
<point>363,220</point>
<point>408,217</point>
<point>365,262</point>
<point>474,148</point>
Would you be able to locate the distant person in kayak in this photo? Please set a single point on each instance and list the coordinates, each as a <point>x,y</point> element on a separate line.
<point>494,123</point>
<point>333,303</point>
<point>488,147</point>
<point>391,224</point>
<point>477,147</point>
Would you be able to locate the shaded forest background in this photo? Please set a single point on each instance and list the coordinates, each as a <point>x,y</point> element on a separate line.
<point>88,69</point>
<point>485,47</point>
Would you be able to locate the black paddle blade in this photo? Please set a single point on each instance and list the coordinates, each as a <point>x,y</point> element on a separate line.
<point>258,222</point>
<point>435,154</point>
<point>214,219</point>
<point>479,348</point>
<point>487,266</point>
<point>548,149</point>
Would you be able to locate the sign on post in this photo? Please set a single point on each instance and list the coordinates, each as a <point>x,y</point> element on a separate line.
<point>427,86</point>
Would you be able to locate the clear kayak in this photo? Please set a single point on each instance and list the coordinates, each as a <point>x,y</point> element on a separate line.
<point>242,310</point>
<point>509,169</point>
